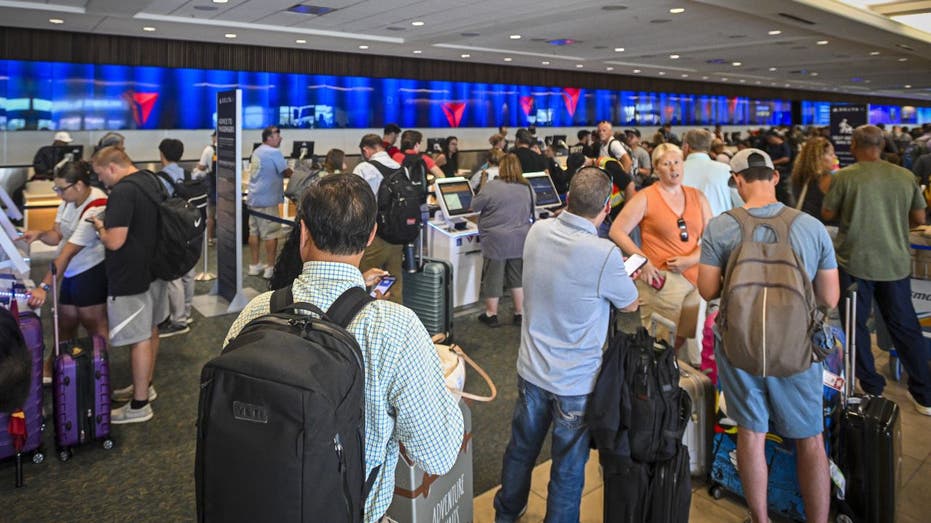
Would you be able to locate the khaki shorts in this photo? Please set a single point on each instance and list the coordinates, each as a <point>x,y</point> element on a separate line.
<point>677,301</point>
<point>263,228</point>
<point>132,318</point>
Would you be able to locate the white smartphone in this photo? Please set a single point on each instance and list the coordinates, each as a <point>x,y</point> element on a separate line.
<point>383,285</point>
<point>634,263</point>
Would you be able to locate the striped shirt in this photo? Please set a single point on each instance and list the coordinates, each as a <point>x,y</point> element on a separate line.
<point>406,400</point>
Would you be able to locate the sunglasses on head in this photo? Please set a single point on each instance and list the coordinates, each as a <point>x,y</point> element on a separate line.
<point>683,231</point>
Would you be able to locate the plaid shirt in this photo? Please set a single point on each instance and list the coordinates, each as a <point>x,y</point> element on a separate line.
<point>402,376</point>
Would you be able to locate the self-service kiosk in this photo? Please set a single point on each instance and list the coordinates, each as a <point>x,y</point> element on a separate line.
<point>547,199</point>
<point>451,237</point>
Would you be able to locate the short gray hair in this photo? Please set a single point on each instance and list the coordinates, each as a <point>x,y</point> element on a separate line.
<point>699,140</point>
<point>588,190</point>
<point>869,136</point>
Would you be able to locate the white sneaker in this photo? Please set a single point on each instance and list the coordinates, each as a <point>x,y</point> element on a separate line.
<point>255,270</point>
<point>918,406</point>
<point>126,394</point>
<point>269,272</point>
<point>127,414</point>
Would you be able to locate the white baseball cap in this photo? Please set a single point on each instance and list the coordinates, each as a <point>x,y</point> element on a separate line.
<point>63,136</point>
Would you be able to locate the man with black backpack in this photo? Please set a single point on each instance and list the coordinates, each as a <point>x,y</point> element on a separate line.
<point>137,301</point>
<point>405,396</point>
<point>771,265</point>
<point>181,290</point>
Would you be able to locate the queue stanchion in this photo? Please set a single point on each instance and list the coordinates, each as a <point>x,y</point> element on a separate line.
<point>205,275</point>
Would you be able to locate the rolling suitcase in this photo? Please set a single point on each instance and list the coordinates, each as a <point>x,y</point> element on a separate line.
<point>699,431</point>
<point>31,327</point>
<point>80,389</point>
<point>428,292</point>
<point>870,446</point>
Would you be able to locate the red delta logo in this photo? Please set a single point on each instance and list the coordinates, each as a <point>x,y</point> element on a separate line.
<point>453,111</point>
<point>526,103</point>
<point>570,95</point>
<point>142,105</point>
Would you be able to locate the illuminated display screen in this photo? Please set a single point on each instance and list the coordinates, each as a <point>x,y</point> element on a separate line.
<point>819,113</point>
<point>55,95</point>
<point>457,196</point>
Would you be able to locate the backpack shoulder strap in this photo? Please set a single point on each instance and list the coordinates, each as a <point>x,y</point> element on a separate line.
<point>748,223</point>
<point>349,303</point>
<point>382,168</point>
<point>99,202</point>
<point>280,299</point>
<point>159,187</point>
<point>782,223</point>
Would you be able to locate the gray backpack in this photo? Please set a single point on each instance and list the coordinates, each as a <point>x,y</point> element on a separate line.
<point>768,310</point>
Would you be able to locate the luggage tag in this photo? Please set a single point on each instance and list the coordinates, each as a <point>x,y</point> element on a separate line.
<point>832,380</point>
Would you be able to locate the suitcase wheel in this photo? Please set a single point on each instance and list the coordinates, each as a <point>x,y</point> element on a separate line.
<point>38,457</point>
<point>64,454</point>
<point>107,444</point>
<point>843,518</point>
<point>717,492</point>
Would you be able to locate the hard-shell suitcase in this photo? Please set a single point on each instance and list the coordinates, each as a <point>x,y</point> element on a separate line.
<point>429,294</point>
<point>699,431</point>
<point>81,389</point>
<point>31,327</point>
<point>869,450</point>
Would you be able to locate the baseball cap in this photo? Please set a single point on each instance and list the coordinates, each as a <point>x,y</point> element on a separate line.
<point>63,136</point>
<point>751,158</point>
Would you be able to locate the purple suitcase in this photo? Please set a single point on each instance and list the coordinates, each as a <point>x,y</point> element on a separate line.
<point>31,327</point>
<point>81,385</point>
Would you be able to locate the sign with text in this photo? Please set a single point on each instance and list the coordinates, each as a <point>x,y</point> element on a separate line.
<point>229,196</point>
<point>844,119</point>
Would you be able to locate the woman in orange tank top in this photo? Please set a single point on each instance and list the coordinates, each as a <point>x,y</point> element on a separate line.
<point>672,218</point>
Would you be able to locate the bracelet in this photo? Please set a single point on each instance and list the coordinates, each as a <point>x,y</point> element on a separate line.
<point>44,286</point>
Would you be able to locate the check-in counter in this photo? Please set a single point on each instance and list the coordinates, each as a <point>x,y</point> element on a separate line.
<point>461,248</point>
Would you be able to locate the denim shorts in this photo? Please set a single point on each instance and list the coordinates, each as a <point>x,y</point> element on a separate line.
<point>790,407</point>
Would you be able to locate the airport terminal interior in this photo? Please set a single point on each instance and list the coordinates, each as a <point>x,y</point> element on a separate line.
<point>224,82</point>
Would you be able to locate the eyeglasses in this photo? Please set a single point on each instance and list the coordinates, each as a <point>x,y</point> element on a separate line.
<point>60,190</point>
<point>683,232</point>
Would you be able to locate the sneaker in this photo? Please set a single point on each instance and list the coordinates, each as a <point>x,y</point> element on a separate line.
<point>211,242</point>
<point>189,321</point>
<point>127,414</point>
<point>918,406</point>
<point>173,330</point>
<point>518,319</point>
<point>491,321</point>
<point>126,394</point>
<point>269,272</point>
<point>255,270</point>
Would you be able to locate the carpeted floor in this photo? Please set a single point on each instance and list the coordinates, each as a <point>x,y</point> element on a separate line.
<point>149,474</point>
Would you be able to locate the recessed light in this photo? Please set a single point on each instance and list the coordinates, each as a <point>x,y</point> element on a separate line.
<point>514,37</point>
<point>874,53</point>
<point>618,49</point>
<point>300,41</point>
<point>417,51</point>
<point>685,76</point>
<point>636,70</point>
<point>465,55</point>
<point>508,59</point>
<point>814,74</point>
<point>579,66</point>
<point>363,47</point>
<point>908,86</point>
<point>417,23</point>
<point>674,56</point>
<point>609,68</point>
<point>544,62</point>
<point>736,64</point>
<point>771,69</point>
<point>677,10</point>
<point>822,42</point>
<point>220,1</point>
<point>757,82</point>
<point>662,73</point>
<point>148,29</point>
<point>743,81</point>
<point>903,59</point>
<point>230,35</point>
<point>56,21</point>
<point>787,85</point>
<point>775,32</point>
<point>704,77</point>
<point>723,79</point>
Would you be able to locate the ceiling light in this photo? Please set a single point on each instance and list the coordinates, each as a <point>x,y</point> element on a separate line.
<point>662,73</point>
<point>822,42</point>
<point>609,68</point>
<point>466,55</point>
<point>636,70</point>
<point>677,10</point>
<point>674,56</point>
<point>775,32</point>
<point>908,86</point>
<point>771,69</point>
<point>148,29</point>
<point>514,37</point>
<point>230,35</point>
<point>220,1</point>
<point>579,66</point>
<point>736,64</point>
<point>417,51</point>
<point>874,53</point>
<point>757,82</point>
<point>903,59</point>
<point>300,41</point>
<point>618,49</point>
<point>685,76</point>
<point>743,81</point>
<point>723,79</point>
<point>787,85</point>
<point>814,74</point>
<point>704,77</point>
<point>417,23</point>
<point>56,21</point>
<point>544,62</point>
<point>508,59</point>
<point>363,47</point>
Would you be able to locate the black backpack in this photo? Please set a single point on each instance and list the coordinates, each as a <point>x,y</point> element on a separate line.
<point>399,199</point>
<point>280,425</point>
<point>416,169</point>
<point>180,232</point>
<point>194,191</point>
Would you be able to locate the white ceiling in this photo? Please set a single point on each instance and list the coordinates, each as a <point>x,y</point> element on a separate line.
<point>866,52</point>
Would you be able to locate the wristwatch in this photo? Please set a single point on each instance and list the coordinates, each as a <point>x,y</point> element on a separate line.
<point>44,286</point>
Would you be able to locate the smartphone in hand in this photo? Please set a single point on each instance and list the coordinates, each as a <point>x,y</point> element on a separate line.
<point>634,263</point>
<point>384,285</point>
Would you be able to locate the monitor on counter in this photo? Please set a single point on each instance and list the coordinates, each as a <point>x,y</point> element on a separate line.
<point>68,152</point>
<point>302,149</point>
<point>454,196</point>
<point>543,188</point>
<point>435,145</point>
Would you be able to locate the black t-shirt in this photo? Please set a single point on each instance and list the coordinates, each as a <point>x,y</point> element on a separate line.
<point>44,162</point>
<point>128,269</point>
<point>530,162</point>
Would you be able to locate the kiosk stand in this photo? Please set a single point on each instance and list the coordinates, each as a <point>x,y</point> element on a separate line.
<point>453,238</point>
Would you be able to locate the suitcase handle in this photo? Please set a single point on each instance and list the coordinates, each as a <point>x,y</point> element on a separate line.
<point>665,322</point>
<point>850,351</point>
<point>54,270</point>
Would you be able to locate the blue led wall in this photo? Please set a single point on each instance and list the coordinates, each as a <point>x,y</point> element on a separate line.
<point>55,95</point>
<point>819,113</point>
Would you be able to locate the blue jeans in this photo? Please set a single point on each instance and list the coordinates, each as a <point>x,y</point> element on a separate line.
<point>894,301</point>
<point>533,413</point>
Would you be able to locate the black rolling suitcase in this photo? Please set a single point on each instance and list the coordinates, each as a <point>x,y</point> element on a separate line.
<point>429,293</point>
<point>870,448</point>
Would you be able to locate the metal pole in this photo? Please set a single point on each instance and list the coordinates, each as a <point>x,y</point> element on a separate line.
<point>205,275</point>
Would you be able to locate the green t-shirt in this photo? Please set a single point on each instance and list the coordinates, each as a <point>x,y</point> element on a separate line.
<point>874,200</point>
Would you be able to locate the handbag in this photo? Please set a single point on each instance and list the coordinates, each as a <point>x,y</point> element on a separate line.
<point>453,360</point>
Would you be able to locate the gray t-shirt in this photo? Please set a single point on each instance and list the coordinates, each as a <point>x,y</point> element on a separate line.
<point>808,237</point>
<point>505,219</point>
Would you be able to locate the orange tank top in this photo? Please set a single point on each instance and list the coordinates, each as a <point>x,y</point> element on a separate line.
<point>660,231</point>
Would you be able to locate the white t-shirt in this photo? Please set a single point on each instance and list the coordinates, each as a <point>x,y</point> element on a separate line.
<point>81,233</point>
<point>614,148</point>
<point>476,178</point>
<point>206,159</point>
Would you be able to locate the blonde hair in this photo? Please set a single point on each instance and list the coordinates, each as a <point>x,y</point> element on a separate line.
<point>809,165</point>
<point>509,170</point>
<point>664,148</point>
<point>112,154</point>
